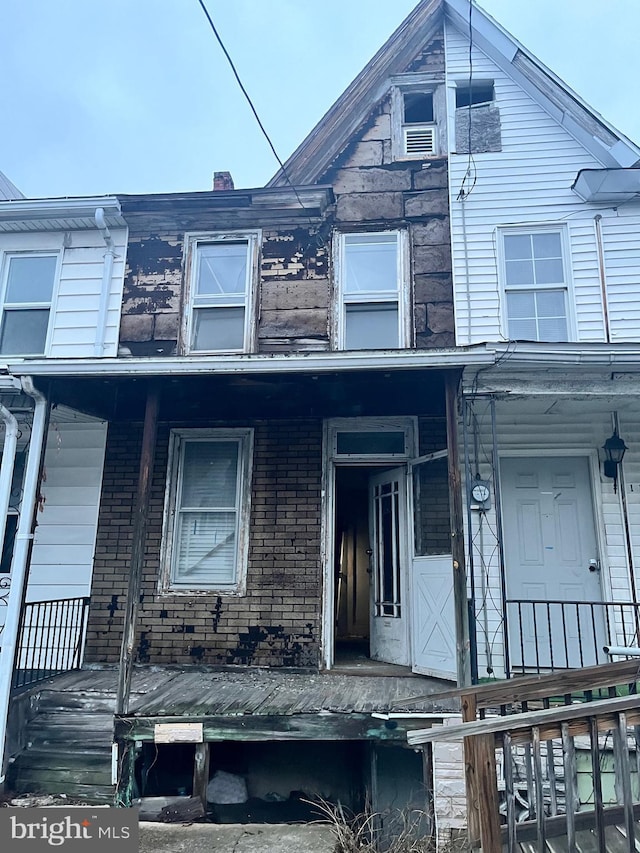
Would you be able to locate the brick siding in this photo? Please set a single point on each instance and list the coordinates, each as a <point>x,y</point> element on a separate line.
<point>277,622</point>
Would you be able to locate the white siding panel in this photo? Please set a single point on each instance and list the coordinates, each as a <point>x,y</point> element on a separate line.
<point>79,293</point>
<point>528,182</point>
<point>47,592</point>
<point>64,543</point>
<point>621,243</point>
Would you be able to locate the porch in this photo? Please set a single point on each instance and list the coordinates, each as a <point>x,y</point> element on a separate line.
<point>342,737</point>
<point>552,547</point>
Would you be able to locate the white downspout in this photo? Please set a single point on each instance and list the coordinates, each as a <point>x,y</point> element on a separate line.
<point>6,466</point>
<point>20,556</point>
<point>107,272</point>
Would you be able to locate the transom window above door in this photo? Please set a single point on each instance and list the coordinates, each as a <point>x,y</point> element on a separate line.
<point>222,271</point>
<point>372,291</point>
<point>535,284</point>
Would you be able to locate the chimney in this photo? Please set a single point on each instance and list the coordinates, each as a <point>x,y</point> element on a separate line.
<point>222,181</point>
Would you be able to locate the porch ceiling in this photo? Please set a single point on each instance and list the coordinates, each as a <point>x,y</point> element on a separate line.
<point>211,397</point>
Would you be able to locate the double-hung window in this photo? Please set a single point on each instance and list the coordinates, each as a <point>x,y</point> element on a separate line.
<point>373,291</point>
<point>27,293</point>
<point>535,284</point>
<point>208,492</point>
<point>221,292</point>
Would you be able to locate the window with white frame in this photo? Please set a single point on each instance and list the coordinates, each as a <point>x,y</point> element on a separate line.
<point>27,293</point>
<point>372,291</point>
<point>221,292</point>
<point>535,284</point>
<point>208,493</point>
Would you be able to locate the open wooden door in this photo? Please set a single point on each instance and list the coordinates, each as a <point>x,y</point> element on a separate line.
<point>433,641</point>
<point>389,565</point>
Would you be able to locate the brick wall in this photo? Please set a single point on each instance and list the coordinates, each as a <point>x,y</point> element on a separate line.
<point>277,623</point>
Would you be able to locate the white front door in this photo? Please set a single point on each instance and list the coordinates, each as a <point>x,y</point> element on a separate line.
<point>551,556</point>
<point>388,534</point>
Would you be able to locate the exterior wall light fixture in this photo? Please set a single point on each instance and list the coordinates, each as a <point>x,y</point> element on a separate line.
<point>614,448</point>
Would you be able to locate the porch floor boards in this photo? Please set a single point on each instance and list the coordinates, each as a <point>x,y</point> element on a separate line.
<point>171,692</point>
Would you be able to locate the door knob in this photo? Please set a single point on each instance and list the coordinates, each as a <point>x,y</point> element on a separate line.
<point>594,565</point>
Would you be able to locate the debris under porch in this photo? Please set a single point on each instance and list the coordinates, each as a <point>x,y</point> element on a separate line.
<point>276,738</point>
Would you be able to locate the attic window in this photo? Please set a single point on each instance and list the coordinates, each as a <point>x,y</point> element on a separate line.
<point>418,117</point>
<point>477,93</point>
<point>418,107</point>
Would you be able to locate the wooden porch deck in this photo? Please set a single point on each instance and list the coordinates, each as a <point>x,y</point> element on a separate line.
<point>194,692</point>
<point>68,723</point>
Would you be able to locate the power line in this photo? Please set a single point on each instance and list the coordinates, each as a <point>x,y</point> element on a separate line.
<point>249,101</point>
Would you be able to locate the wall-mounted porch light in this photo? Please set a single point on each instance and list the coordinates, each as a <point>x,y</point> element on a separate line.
<point>614,448</point>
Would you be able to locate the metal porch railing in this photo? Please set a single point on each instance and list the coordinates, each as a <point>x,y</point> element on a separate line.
<point>51,639</point>
<point>544,636</point>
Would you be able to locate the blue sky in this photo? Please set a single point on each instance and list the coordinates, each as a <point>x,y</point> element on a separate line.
<point>105,96</point>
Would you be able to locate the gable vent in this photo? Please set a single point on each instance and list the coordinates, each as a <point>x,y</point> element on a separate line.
<point>420,141</point>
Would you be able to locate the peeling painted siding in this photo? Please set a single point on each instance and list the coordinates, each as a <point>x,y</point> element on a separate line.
<point>292,300</point>
<point>373,191</point>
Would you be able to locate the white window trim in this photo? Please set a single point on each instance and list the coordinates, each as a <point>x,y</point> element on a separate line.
<point>177,437</point>
<point>429,84</point>
<point>534,228</point>
<point>403,291</point>
<point>5,259</point>
<point>191,242</point>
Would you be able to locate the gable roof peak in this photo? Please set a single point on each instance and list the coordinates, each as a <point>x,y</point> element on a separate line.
<point>310,161</point>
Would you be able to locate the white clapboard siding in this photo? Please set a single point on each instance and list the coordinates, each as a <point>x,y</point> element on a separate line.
<point>76,303</point>
<point>528,182</point>
<point>64,545</point>
<point>622,264</point>
<point>579,428</point>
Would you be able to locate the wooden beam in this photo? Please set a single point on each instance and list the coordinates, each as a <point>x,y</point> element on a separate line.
<point>527,687</point>
<point>255,727</point>
<point>201,773</point>
<point>486,794</point>
<point>507,691</point>
<point>463,658</point>
<point>140,515</point>
<point>604,709</point>
<point>583,820</point>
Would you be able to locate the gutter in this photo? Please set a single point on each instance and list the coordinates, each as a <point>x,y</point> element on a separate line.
<point>45,208</point>
<point>6,466</point>
<point>511,354</point>
<point>326,362</point>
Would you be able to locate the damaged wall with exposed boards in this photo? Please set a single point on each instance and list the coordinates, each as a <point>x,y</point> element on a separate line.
<point>295,290</point>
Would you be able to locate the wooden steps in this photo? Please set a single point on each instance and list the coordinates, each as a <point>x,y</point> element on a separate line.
<point>68,747</point>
